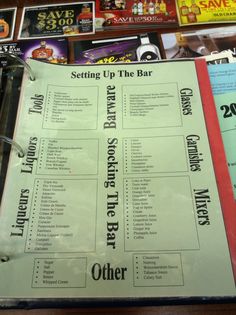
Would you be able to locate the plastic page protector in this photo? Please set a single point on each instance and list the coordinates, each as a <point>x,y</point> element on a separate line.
<point>223,78</point>
<point>116,195</point>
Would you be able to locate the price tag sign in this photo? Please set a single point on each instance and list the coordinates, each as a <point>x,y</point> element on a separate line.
<point>57,20</point>
<point>206,11</point>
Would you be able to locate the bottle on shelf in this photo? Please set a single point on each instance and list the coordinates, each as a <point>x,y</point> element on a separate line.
<point>163,6</point>
<point>157,7</point>
<point>43,52</point>
<point>147,51</point>
<point>145,7</point>
<point>106,5</point>
<point>195,8</point>
<point>119,4</point>
<point>4,28</point>
<point>184,9</point>
<point>135,8</point>
<point>85,19</point>
<point>191,17</point>
<point>151,7</point>
<point>140,7</point>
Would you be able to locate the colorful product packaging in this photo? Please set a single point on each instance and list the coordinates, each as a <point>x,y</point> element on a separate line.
<point>7,23</point>
<point>57,20</point>
<point>141,47</point>
<point>206,11</point>
<point>51,50</point>
<point>130,13</point>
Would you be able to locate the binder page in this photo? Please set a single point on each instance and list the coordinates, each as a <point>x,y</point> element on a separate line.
<point>223,85</point>
<point>116,195</point>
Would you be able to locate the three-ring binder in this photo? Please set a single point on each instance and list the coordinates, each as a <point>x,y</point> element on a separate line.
<point>14,144</point>
<point>4,259</point>
<point>4,138</point>
<point>21,61</point>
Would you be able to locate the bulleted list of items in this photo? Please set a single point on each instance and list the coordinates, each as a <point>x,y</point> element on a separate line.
<point>73,108</point>
<point>152,217</point>
<point>152,155</point>
<point>62,213</point>
<point>151,106</point>
<point>59,273</point>
<point>68,157</point>
<point>157,270</point>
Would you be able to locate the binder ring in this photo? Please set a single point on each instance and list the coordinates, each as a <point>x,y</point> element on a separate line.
<point>25,64</point>
<point>4,259</point>
<point>14,144</point>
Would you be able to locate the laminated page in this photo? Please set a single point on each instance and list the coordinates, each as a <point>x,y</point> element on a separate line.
<point>116,196</point>
<point>223,78</point>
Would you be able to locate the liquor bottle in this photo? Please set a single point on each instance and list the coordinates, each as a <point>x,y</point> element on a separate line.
<point>43,52</point>
<point>184,9</point>
<point>4,28</point>
<point>119,4</point>
<point>151,7</point>
<point>53,59</point>
<point>62,60</point>
<point>162,6</point>
<point>106,5</point>
<point>145,7</point>
<point>147,51</point>
<point>191,17</point>
<point>195,8</point>
<point>135,8</point>
<point>157,7</point>
<point>140,7</point>
<point>85,19</point>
